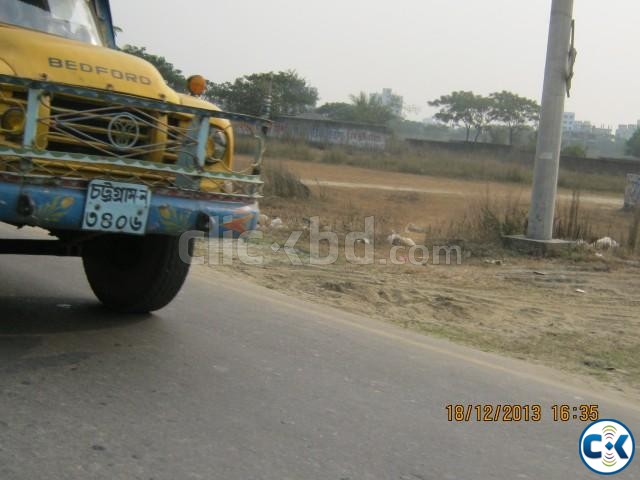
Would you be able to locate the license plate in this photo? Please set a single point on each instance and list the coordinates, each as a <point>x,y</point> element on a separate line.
<point>116,207</point>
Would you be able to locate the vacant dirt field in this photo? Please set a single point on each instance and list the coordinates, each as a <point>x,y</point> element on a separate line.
<point>347,176</point>
<point>579,312</point>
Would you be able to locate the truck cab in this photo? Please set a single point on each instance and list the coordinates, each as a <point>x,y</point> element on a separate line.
<point>98,150</point>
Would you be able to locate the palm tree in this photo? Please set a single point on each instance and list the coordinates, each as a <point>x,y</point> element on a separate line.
<point>369,109</point>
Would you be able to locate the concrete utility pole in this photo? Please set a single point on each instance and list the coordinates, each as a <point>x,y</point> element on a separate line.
<point>547,160</point>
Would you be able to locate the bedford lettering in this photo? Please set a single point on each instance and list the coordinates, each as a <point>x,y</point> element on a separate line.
<point>98,70</point>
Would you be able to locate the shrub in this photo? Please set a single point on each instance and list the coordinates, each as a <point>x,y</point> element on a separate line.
<point>574,151</point>
<point>281,182</point>
<point>570,223</point>
<point>488,221</point>
<point>334,156</point>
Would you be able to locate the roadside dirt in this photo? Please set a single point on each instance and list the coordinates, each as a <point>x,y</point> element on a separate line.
<point>584,318</point>
<point>563,196</point>
<point>313,173</point>
<point>579,313</point>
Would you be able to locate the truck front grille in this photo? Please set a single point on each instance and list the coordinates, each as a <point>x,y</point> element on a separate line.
<point>77,126</point>
<point>74,133</point>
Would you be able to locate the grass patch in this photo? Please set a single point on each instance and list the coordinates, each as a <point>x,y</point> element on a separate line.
<point>278,149</point>
<point>439,163</point>
<point>334,156</point>
<point>633,242</point>
<point>483,224</point>
<point>281,182</point>
<point>571,223</point>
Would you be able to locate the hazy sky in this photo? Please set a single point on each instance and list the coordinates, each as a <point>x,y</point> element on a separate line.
<point>419,48</point>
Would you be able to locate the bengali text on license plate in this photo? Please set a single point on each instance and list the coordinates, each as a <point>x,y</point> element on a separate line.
<point>116,207</point>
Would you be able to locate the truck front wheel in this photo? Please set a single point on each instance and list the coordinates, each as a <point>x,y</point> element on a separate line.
<point>134,274</point>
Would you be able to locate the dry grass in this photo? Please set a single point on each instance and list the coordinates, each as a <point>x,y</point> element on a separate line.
<point>572,222</point>
<point>281,182</point>
<point>486,221</point>
<point>548,310</point>
<point>477,220</point>
<point>476,166</point>
<point>633,242</point>
<point>278,149</point>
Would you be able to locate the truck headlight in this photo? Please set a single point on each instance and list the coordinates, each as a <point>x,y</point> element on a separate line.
<point>216,146</point>
<point>12,120</point>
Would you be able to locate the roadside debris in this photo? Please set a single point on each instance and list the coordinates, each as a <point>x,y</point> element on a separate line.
<point>412,227</point>
<point>407,242</point>
<point>395,239</point>
<point>605,243</point>
<point>277,223</point>
<point>493,262</point>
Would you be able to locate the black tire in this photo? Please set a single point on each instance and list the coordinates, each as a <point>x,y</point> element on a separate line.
<point>134,274</point>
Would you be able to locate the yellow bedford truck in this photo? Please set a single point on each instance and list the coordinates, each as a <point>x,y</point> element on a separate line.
<point>117,166</point>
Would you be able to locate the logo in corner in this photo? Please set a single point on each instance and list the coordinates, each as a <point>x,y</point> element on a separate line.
<point>606,446</point>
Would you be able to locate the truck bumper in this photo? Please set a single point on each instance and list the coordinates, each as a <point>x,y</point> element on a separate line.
<point>172,212</point>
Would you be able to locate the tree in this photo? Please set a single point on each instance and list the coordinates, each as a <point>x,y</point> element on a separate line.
<point>480,112</point>
<point>337,111</point>
<point>290,93</point>
<point>633,144</point>
<point>174,77</point>
<point>513,111</point>
<point>464,108</point>
<point>395,103</point>
<point>369,109</point>
<point>574,150</point>
<point>362,109</point>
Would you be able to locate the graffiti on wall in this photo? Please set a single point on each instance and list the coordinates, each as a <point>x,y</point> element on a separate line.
<point>347,136</point>
<point>325,133</point>
<point>632,192</point>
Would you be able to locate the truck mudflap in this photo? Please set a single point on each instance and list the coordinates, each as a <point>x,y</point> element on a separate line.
<point>170,212</point>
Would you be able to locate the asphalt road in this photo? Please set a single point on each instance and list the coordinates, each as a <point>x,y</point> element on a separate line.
<point>232,381</point>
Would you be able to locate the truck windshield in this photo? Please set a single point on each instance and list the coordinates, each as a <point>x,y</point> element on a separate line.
<point>72,19</point>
